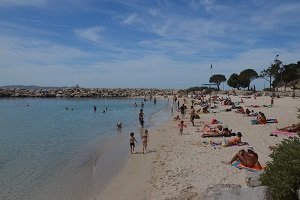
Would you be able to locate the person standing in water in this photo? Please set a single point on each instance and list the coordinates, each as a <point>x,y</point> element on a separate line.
<point>141,117</point>
<point>145,139</point>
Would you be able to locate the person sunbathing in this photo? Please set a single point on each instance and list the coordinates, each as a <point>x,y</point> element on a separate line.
<point>209,129</point>
<point>223,133</point>
<point>247,157</point>
<point>247,112</point>
<point>292,128</point>
<point>240,110</point>
<point>230,142</point>
<point>261,118</point>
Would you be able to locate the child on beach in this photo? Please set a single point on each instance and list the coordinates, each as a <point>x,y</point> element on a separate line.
<point>145,139</point>
<point>181,125</point>
<point>132,141</point>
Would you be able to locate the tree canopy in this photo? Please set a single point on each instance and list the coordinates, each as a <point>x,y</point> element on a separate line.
<point>234,81</point>
<point>246,76</point>
<point>217,79</point>
<point>270,73</point>
<point>288,74</point>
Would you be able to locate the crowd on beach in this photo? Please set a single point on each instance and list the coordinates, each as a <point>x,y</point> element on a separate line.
<point>214,129</point>
<point>248,157</point>
<point>207,138</point>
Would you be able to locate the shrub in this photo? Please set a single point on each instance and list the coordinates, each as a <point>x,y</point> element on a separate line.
<point>282,174</point>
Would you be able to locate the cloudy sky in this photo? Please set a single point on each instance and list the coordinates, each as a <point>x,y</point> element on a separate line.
<point>142,43</point>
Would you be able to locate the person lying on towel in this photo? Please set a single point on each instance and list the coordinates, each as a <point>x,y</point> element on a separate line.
<point>225,132</point>
<point>247,157</point>
<point>230,142</point>
<point>261,118</point>
<point>292,128</point>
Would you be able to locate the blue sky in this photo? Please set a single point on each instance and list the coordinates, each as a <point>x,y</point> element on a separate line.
<point>145,43</point>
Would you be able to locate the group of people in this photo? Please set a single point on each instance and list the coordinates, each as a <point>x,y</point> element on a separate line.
<point>145,134</point>
<point>95,109</point>
<point>247,157</point>
<point>132,141</point>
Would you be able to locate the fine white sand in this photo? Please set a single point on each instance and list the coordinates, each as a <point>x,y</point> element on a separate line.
<point>182,166</point>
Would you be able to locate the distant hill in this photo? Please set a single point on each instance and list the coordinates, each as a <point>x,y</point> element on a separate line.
<point>32,87</point>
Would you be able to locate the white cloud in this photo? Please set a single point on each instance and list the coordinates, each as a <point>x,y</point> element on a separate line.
<point>183,41</point>
<point>131,19</point>
<point>93,34</point>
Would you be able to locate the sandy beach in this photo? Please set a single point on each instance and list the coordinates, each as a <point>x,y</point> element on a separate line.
<point>182,166</point>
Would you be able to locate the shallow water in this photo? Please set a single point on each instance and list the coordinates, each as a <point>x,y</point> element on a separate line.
<point>50,152</point>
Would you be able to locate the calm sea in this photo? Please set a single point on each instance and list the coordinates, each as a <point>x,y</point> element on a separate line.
<point>50,152</point>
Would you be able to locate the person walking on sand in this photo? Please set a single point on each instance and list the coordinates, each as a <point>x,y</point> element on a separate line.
<point>181,125</point>
<point>192,117</point>
<point>145,139</point>
<point>132,141</point>
<point>272,101</point>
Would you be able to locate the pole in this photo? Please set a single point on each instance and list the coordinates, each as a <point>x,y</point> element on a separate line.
<point>210,72</point>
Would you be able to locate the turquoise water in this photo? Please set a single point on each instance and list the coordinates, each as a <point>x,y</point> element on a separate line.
<point>49,152</point>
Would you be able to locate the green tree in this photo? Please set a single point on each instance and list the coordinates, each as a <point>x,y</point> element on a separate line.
<point>234,81</point>
<point>288,74</point>
<point>246,76</point>
<point>270,73</point>
<point>217,79</point>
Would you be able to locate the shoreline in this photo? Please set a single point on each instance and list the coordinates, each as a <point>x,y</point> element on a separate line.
<point>177,165</point>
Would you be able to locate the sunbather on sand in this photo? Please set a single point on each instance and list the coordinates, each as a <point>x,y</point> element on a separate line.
<point>292,128</point>
<point>232,141</point>
<point>261,118</point>
<point>247,112</point>
<point>224,133</point>
<point>247,157</point>
<point>240,110</point>
<point>209,129</point>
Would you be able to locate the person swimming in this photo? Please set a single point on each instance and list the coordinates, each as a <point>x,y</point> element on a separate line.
<point>119,125</point>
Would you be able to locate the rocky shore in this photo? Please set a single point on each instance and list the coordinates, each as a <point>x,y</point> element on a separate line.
<point>123,92</point>
<point>82,92</point>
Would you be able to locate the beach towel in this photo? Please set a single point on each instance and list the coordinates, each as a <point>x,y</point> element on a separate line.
<point>279,132</point>
<point>239,165</point>
<point>269,121</point>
